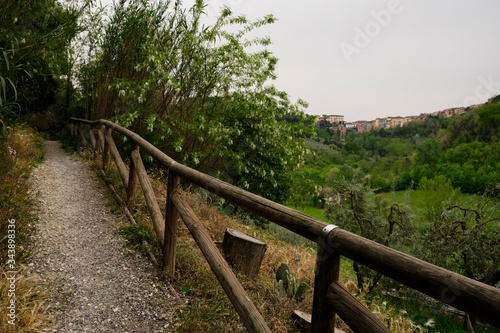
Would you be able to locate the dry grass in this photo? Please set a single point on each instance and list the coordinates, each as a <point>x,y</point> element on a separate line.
<point>20,149</point>
<point>31,303</point>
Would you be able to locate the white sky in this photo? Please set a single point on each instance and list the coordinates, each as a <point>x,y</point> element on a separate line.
<point>419,56</point>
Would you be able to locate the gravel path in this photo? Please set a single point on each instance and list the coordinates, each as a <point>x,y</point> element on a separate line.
<point>98,285</point>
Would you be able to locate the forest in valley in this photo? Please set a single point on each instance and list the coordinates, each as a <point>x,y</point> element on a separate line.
<point>429,187</point>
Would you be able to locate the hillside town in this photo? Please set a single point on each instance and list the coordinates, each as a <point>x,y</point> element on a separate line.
<point>340,127</point>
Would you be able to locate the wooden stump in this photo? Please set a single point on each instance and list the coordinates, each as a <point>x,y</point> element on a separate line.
<point>244,252</point>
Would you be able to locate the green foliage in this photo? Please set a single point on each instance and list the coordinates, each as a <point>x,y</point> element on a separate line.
<point>463,149</point>
<point>353,206</point>
<point>8,91</point>
<point>466,238</point>
<point>135,234</point>
<point>199,95</point>
<point>35,35</point>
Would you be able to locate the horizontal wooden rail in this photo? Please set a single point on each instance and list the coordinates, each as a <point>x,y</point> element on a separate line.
<point>448,287</point>
<point>473,297</point>
<point>355,314</point>
<point>249,314</point>
<point>291,219</point>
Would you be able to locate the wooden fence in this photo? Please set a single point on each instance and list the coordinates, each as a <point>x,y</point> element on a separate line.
<point>330,297</point>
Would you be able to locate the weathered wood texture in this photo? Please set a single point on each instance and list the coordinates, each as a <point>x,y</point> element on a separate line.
<point>353,312</point>
<point>122,170</point>
<point>302,321</point>
<point>326,271</point>
<point>251,318</point>
<point>100,134</point>
<point>244,252</point>
<point>92,139</point>
<point>105,152</point>
<point>150,197</point>
<point>82,135</point>
<point>451,288</point>
<point>171,218</point>
<point>132,182</point>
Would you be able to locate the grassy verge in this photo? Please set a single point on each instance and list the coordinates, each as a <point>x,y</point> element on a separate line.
<point>22,306</point>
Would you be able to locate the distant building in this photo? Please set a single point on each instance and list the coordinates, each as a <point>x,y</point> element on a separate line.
<point>332,119</point>
<point>379,123</point>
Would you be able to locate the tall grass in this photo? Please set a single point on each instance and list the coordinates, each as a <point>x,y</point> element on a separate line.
<point>20,150</point>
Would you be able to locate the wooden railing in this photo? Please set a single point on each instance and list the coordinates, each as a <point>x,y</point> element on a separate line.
<point>330,297</point>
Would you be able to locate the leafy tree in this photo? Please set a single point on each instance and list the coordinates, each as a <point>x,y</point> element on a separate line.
<point>197,93</point>
<point>352,206</point>
<point>33,39</point>
<point>466,236</point>
<point>428,153</point>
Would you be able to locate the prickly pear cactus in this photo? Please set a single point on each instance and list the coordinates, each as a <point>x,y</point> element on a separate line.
<point>283,274</point>
<point>299,294</point>
<point>282,288</point>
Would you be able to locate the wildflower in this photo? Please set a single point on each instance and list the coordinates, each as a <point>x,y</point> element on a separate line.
<point>121,93</point>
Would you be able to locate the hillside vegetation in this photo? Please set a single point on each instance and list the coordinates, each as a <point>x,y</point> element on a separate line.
<point>428,188</point>
<point>464,149</point>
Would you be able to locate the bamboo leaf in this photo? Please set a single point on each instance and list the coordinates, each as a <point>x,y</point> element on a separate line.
<point>6,60</point>
<point>14,88</point>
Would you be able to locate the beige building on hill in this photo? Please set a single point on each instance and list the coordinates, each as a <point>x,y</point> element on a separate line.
<point>332,119</point>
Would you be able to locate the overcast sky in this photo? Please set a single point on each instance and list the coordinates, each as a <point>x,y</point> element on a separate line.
<point>374,58</point>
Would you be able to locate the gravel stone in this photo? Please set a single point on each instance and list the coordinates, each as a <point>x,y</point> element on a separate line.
<point>96,283</point>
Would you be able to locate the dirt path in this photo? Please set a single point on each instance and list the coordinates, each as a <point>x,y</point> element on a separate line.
<point>98,285</point>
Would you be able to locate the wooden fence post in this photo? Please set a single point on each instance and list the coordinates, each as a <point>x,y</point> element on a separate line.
<point>326,271</point>
<point>171,217</point>
<point>132,182</point>
<point>149,195</point>
<point>105,152</point>
<point>122,170</point>
<point>251,317</point>
<point>82,134</point>
<point>92,138</point>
